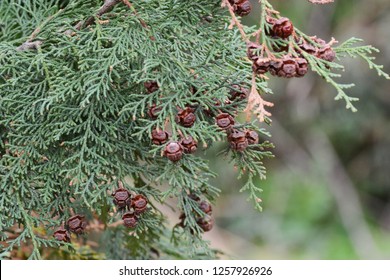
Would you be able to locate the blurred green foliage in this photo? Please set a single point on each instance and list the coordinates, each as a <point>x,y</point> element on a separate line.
<point>327,195</point>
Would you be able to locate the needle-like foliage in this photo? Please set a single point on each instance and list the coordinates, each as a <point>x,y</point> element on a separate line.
<point>75,118</point>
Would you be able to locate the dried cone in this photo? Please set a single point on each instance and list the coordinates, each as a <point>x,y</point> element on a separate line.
<point>151,86</point>
<point>139,204</point>
<point>252,137</point>
<point>159,137</point>
<point>269,30</point>
<point>77,224</point>
<point>122,197</point>
<point>62,234</point>
<point>310,49</point>
<point>153,112</point>
<point>282,28</point>
<point>173,151</point>
<point>224,120</point>
<point>130,220</point>
<point>289,68</point>
<point>237,140</point>
<point>275,66</point>
<point>205,207</point>
<point>243,8</point>
<point>238,92</point>
<point>189,145</point>
<point>206,223</point>
<point>302,67</point>
<point>194,197</point>
<point>319,41</point>
<point>326,53</point>
<point>253,51</point>
<point>261,66</point>
<point>186,117</point>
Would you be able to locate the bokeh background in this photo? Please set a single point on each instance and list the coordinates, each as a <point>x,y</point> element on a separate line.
<point>327,195</point>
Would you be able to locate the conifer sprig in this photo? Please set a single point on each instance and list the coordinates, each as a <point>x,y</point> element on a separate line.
<point>365,52</point>
<point>79,81</point>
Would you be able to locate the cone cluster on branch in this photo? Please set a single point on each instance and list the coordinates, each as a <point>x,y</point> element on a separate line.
<point>186,117</point>
<point>133,204</point>
<point>75,224</point>
<point>293,63</point>
<point>241,7</point>
<point>98,88</point>
<point>204,221</point>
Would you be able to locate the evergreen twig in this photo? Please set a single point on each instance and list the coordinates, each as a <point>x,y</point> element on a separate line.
<point>76,117</point>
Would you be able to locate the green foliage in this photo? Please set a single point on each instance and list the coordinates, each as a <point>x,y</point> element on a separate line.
<point>364,52</point>
<point>329,71</point>
<point>75,113</point>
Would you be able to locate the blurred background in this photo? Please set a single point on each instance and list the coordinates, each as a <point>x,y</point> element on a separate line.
<point>327,195</point>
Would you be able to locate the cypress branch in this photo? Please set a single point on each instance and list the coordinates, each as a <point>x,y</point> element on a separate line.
<point>121,105</point>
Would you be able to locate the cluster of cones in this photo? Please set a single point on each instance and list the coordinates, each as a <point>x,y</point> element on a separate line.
<point>293,64</point>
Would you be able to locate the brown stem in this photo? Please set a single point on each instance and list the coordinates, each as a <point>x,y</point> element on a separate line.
<point>29,46</point>
<point>107,6</point>
<point>235,20</point>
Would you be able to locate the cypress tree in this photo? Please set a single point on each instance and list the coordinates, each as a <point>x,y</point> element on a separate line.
<point>107,109</point>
